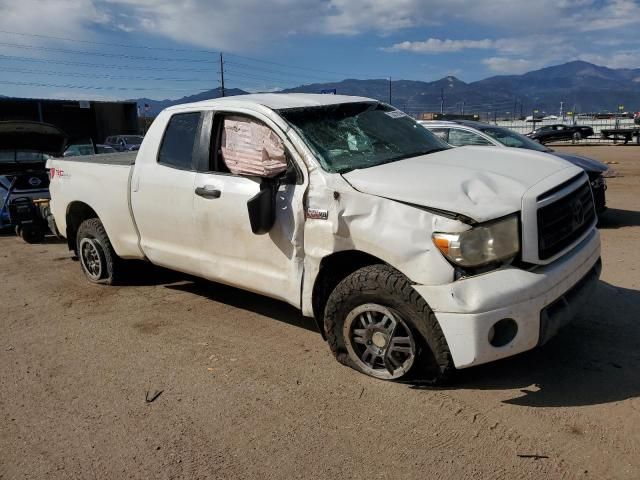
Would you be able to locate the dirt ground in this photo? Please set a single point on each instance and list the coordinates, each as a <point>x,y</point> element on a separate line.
<point>250,390</point>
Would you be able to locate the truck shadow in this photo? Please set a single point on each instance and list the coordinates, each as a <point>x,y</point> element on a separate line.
<point>593,361</point>
<point>617,218</point>
<point>244,300</point>
<point>146,274</point>
<point>49,239</point>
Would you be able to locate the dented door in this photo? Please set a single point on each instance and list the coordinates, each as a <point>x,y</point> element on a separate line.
<point>269,264</point>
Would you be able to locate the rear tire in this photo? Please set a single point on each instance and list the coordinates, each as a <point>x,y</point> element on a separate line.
<point>98,259</point>
<point>577,136</point>
<point>376,323</point>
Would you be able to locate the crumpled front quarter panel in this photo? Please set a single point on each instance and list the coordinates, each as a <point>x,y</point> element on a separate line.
<point>396,233</point>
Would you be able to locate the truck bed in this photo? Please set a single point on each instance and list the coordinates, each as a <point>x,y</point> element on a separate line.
<point>101,182</point>
<point>120,158</point>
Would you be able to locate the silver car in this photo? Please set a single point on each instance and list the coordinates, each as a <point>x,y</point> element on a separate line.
<point>466,132</point>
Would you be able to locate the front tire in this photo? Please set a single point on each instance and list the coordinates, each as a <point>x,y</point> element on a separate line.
<point>376,323</point>
<point>98,259</point>
<point>577,136</point>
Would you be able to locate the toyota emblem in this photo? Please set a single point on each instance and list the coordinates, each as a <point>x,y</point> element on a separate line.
<point>578,213</point>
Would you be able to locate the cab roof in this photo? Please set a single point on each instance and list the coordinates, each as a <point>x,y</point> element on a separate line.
<point>277,101</point>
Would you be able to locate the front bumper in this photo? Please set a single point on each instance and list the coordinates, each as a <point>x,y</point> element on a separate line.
<point>467,309</point>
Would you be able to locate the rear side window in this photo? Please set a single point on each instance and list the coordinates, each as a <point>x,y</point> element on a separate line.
<point>441,133</point>
<point>460,138</point>
<point>179,140</point>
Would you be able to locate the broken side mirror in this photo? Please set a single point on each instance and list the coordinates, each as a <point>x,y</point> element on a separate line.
<point>262,207</point>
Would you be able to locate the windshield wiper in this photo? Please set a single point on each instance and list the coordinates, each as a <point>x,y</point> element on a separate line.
<point>418,154</point>
<point>392,160</point>
<point>435,150</point>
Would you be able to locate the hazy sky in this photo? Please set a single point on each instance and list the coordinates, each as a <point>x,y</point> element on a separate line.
<point>306,42</point>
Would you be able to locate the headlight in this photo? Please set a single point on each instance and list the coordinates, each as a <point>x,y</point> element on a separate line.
<point>483,244</point>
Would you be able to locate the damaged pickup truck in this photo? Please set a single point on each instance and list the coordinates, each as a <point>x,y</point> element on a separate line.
<point>414,258</point>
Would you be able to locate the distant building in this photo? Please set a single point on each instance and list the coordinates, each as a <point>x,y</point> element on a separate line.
<point>80,120</point>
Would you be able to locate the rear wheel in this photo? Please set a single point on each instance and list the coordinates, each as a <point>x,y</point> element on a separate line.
<point>377,323</point>
<point>577,136</point>
<point>98,260</point>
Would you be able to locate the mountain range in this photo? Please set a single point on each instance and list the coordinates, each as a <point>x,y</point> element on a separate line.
<point>581,86</point>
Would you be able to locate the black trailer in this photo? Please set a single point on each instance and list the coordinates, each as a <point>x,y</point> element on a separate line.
<point>625,134</point>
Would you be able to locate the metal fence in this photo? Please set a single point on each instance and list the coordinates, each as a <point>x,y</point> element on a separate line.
<point>523,127</point>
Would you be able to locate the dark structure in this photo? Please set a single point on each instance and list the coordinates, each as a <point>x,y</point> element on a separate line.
<point>446,116</point>
<point>80,120</point>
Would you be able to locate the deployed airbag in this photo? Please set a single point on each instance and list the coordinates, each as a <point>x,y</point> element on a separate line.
<point>251,148</point>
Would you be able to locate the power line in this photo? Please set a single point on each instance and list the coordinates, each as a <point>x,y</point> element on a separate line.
<point>297,67</point>
<point>268,70</point>
<point>147,47</point>
<point>120,45</point>
<point>89,75</point>
<point>258,77</point>
<point>101,65</point>
<point>102,54</point>
<point>88,87</point>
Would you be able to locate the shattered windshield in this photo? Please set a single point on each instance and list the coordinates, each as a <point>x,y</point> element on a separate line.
<point>351,136</point>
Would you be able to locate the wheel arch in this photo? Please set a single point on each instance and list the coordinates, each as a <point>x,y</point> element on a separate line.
<point>333,269</point>
<point>77,212</point>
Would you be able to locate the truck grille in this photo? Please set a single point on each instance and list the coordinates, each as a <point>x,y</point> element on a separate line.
<point>564,221</point>
<point>31,181</point>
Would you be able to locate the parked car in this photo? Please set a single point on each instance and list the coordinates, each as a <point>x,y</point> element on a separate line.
<point>408,253</point>
<point>87,149</point>
<point>636,118</point>
<point>124,143</point>
<point>31,184</point>
<point>464,132</point>
<point>25,148</point>
<point>552,133</point>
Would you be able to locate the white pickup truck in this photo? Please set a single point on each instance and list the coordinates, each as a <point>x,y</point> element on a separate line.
<point>415,259</point>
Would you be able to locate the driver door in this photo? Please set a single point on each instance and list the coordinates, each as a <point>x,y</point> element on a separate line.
<point>271,263</point>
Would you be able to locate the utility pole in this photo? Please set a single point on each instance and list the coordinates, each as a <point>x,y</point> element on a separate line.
<point>515,107</point>
<point>221,76</point>
<point>389,90</point>
<point>562,110</point>
<point>463,104</point>
<point>442,101</point>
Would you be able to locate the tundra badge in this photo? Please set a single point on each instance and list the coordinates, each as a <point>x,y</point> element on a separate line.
<point>317,214</point>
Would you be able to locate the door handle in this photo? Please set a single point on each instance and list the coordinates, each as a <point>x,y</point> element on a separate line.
<point>208,192</point>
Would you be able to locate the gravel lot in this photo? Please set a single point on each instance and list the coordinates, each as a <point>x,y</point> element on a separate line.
<point>250,390</point>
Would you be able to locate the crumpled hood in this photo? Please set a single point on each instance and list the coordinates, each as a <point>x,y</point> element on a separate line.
<point>587,164</point>
<point>482,183</point>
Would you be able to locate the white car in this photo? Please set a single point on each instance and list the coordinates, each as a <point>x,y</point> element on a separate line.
<point>408,253</point>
